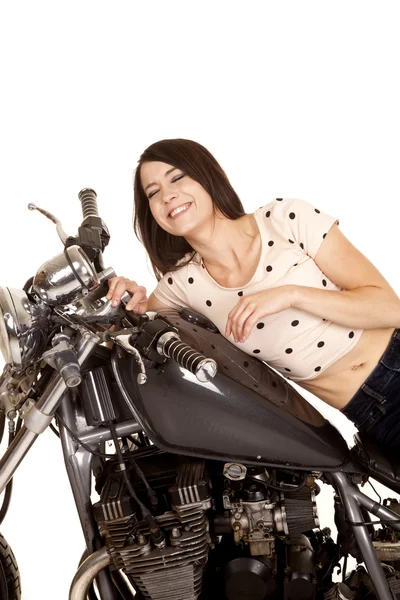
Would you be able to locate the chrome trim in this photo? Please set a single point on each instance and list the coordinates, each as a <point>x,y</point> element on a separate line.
<point>47,404</point>
<point>65,277</point>
<point>26,324</point>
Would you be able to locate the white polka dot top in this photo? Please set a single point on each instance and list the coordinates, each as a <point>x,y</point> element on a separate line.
<point>296,343</point>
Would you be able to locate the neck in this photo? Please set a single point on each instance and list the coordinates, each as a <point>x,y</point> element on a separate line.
<point>224,245</point>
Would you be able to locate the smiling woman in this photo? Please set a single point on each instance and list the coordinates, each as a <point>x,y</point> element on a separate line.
<point>284,284</point>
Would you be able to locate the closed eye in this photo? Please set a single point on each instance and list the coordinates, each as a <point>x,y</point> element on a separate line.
<point>177,178</point>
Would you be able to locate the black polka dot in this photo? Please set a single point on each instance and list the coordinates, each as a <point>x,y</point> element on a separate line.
<point>320,344</point>
<point>295,264</point>
<point>225,367</point>
<point>317,211</point>
<point>324,236</point>
<point>209,303</point>
<point>260,325</point>
<point>212,346</point>
<point>240,293</point>
<point>292,215</point>
<point>279,199</point>
<point>202,264</point>
<point>317,369</point>
<point>294,323</point>
<point>324,283</point>
<point>170,280</point>
<point>267,213</point>
<point>351,334</point>
<point>190,280</point>
<point>338,223</point>
<point>273,383</point>
<point>288,370</point>
<point>324,319</point>
<point>245,364</point>
<point>270,243</point>
<point>269,268</point>
<point>289,350</point>
<point>256,351</point>
<point>255,385</point>
<point>291,241</point>
<point>302,245</point>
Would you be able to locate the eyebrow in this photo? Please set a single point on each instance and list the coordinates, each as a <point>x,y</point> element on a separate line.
<point>165,175</point>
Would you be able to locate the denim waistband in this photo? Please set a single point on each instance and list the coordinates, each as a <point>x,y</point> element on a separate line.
<point>373,388</point>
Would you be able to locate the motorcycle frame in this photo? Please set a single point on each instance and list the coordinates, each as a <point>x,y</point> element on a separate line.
<point>78,461</point>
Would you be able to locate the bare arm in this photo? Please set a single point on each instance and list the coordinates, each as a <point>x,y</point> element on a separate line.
<point>154,303</point>
<point>366,299</point>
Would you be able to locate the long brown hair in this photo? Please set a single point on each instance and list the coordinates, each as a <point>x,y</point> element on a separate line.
<point>197,162</point>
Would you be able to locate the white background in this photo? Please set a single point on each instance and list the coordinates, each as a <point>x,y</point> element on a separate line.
<point>296,99</point>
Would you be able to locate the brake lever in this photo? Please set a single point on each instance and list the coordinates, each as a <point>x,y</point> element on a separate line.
<point>124,340</point>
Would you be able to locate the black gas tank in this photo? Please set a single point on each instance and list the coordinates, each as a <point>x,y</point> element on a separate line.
<point>247,413</point>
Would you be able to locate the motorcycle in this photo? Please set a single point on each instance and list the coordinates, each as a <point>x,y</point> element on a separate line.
<point>210,489</point>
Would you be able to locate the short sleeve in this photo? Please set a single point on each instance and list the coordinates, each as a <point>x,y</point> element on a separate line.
<point>303,223</point>
<point>171,290</point>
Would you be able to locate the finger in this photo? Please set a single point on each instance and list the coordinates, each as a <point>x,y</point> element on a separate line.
<point>138,298</point>
<point>120,290</point>
<point>140,308</point>
<point>248,325</point>
<point>234,315</point>
<point>231,317</point>
<point>111,286</point>
<point>240,321</point>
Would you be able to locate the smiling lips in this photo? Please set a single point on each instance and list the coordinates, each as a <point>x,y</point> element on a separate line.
<point>179,210</point>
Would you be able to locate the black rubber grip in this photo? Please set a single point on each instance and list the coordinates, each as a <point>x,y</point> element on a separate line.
<point>183,354</point>
<point>88,198</point>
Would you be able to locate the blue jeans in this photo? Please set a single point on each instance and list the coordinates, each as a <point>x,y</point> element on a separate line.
<point>375,407</point>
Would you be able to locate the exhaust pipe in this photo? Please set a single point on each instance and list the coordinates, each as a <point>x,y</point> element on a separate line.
<point>87,572</point>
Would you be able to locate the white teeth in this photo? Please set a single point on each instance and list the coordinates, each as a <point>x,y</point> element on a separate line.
<point>179,209</point>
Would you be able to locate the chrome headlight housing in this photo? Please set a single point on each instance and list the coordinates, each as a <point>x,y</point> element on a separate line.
<point>24,327</point>
<point>65,277</point>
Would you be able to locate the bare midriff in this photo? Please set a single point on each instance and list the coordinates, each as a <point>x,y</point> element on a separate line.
<point>338,384</point>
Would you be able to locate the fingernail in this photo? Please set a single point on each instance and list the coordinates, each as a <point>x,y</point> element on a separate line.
<point>108,296</point>
<point>114,303</point>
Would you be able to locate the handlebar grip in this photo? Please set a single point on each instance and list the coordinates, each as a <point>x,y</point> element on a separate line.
<point>88,198</point>
<point>169,344</point>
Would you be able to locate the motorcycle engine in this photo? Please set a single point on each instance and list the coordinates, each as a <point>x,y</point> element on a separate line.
<point>250,536</point>
<point>175,570</point>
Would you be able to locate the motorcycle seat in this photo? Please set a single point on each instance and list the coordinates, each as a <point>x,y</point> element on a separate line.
<point>383,468</point>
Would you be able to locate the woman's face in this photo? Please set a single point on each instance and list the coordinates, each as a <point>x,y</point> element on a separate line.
<point>167,188</point>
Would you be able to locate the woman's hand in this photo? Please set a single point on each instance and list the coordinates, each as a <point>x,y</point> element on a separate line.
<point>250,309</point>
<point>117,288</point>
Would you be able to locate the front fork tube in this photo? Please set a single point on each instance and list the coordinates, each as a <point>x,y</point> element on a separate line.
<point>40,415</point>
<point>78,462</point>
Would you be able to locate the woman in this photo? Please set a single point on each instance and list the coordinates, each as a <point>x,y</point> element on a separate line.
<point>284,283</point>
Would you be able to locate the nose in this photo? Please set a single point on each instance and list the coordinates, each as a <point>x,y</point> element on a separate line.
<point>168,195</point>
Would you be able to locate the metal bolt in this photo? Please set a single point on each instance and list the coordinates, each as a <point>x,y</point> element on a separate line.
<point>141,378</point>
<point>175,533</point>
